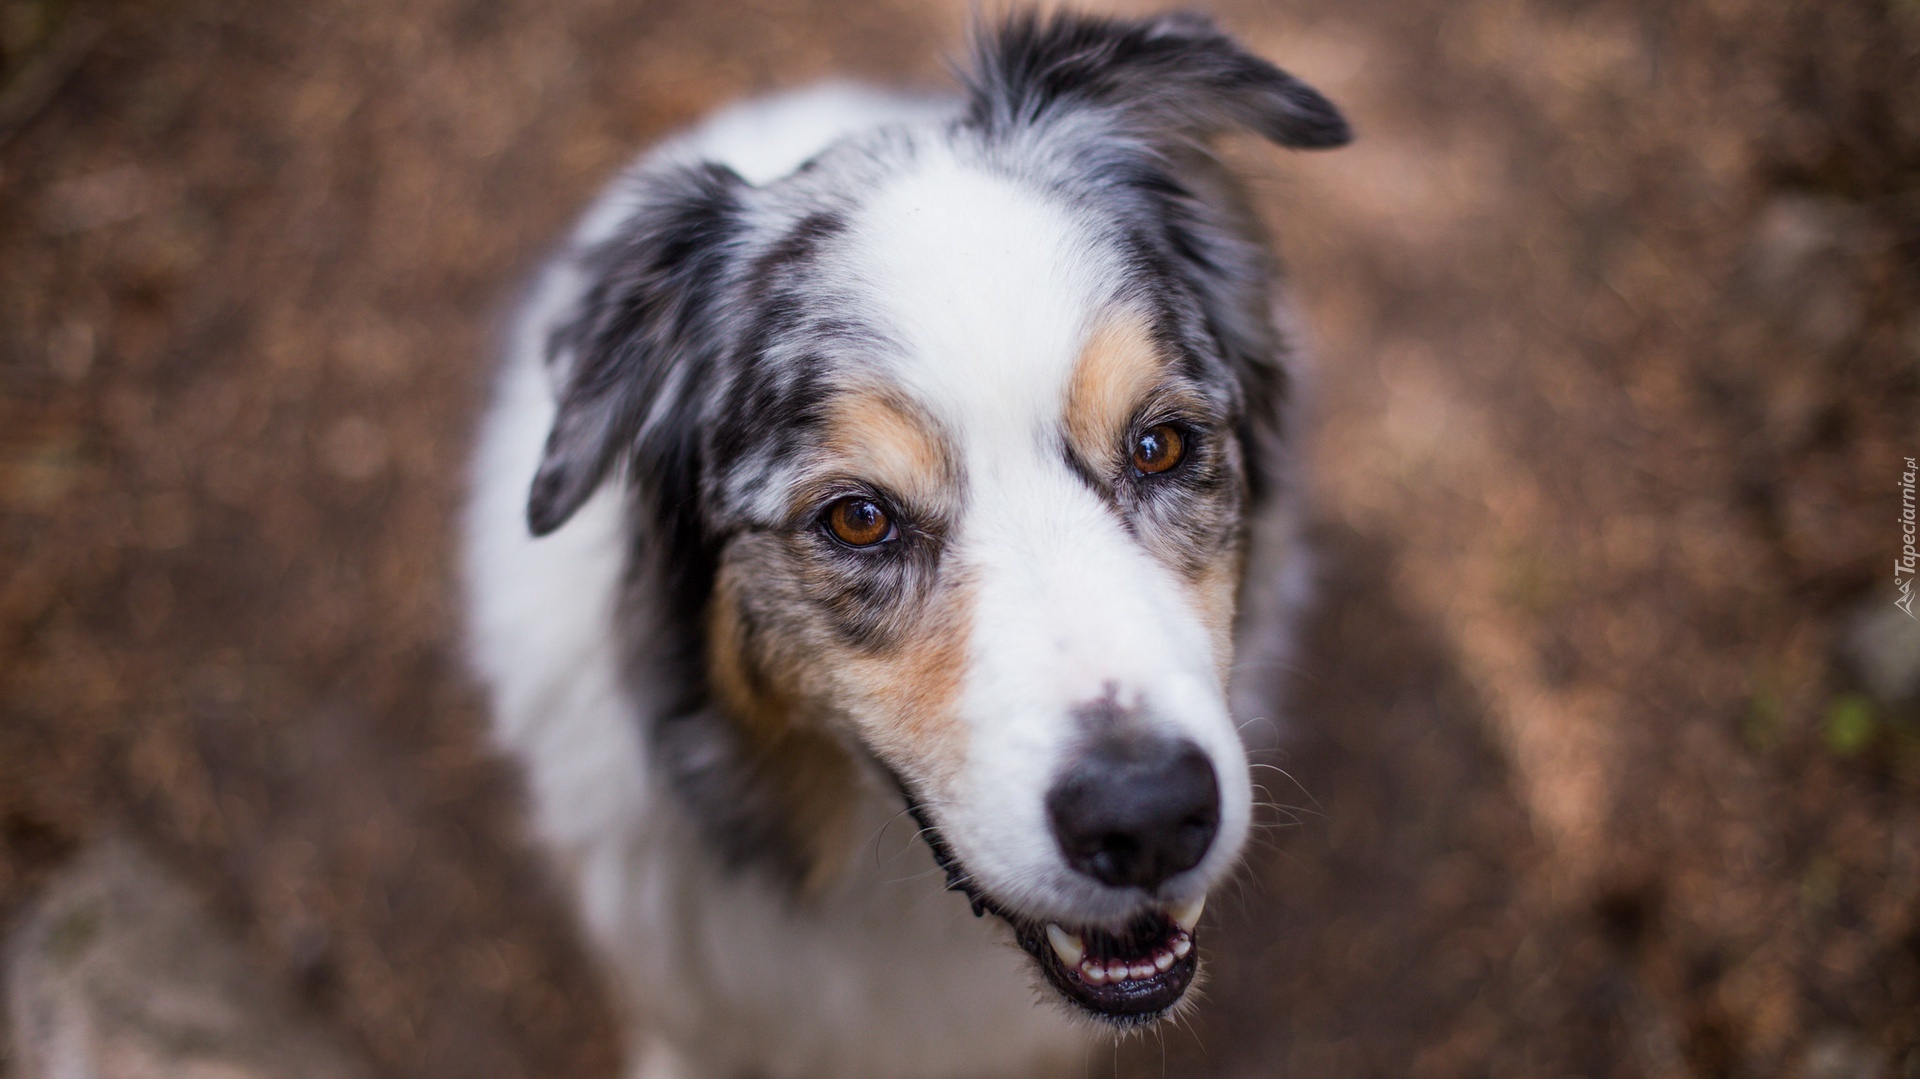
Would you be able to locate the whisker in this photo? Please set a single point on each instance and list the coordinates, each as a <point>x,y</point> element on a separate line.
<point>1290,778</point>
<point>881,834</point>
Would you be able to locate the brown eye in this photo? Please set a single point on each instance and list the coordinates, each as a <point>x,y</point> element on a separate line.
<point>1157,449</point>
<point>858,522</point>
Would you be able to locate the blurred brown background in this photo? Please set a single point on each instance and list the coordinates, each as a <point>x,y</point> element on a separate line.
<point>1606,747</point>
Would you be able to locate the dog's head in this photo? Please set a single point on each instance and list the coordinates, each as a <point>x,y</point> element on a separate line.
<point>944,450</point>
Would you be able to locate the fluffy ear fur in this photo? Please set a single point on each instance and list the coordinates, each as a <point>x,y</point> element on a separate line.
<point>1172,74</point>
<point>635,349</point>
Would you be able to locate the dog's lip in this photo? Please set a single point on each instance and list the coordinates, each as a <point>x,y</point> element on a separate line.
<point>1131,1001</point>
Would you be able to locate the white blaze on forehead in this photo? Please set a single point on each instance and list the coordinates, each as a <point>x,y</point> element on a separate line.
<point>988,286</point>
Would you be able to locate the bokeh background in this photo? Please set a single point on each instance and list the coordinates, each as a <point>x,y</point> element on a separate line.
<point>1603,743</point>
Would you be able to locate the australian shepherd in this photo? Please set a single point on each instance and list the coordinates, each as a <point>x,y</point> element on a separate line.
<point>866,459</point>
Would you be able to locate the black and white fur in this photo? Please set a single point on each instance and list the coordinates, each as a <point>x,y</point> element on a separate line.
<point>962,314</point>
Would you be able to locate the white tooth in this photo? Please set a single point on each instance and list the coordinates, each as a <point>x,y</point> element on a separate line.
<point>1140,970</point>
<point>1094,973</point>
<point>1116,970</point>
<point>1187,915</point>
<point>1162,960</point>
<point>1067,946</point>
<point>1182,945</point>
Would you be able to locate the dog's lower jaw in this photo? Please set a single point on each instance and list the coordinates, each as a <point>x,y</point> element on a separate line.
<point>1124,981</point>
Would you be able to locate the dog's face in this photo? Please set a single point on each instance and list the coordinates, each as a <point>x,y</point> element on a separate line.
<point>944,448</point>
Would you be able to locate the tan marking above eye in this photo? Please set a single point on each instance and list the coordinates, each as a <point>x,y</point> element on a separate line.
<point>1158,448</point>
<point>878,440</point>
<point>1119,367</point>
<point>858,521</point>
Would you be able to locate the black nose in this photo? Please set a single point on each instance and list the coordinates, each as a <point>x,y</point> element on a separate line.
<point>1136,811</point>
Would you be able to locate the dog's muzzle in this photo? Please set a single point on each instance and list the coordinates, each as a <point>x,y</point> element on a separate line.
<point>1137,974</point>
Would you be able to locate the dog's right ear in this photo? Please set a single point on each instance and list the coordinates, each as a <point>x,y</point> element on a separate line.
<point>632,355</point>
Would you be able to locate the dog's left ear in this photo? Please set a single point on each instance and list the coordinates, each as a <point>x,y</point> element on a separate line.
<point>635,349</point>
<point>1171,74</point>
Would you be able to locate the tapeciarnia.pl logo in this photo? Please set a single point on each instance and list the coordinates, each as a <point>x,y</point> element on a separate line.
<point>1904,566</point>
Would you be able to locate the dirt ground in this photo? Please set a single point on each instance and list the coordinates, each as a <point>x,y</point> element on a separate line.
<point>1617,356</point>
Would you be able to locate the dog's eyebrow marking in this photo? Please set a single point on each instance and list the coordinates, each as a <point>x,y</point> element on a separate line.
<point>887,441</point>
<point>1118,367</point>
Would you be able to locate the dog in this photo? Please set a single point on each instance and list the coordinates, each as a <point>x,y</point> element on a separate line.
<point>866,458</point>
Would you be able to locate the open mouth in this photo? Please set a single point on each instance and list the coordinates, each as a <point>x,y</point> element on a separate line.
<point>1131,977</point>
